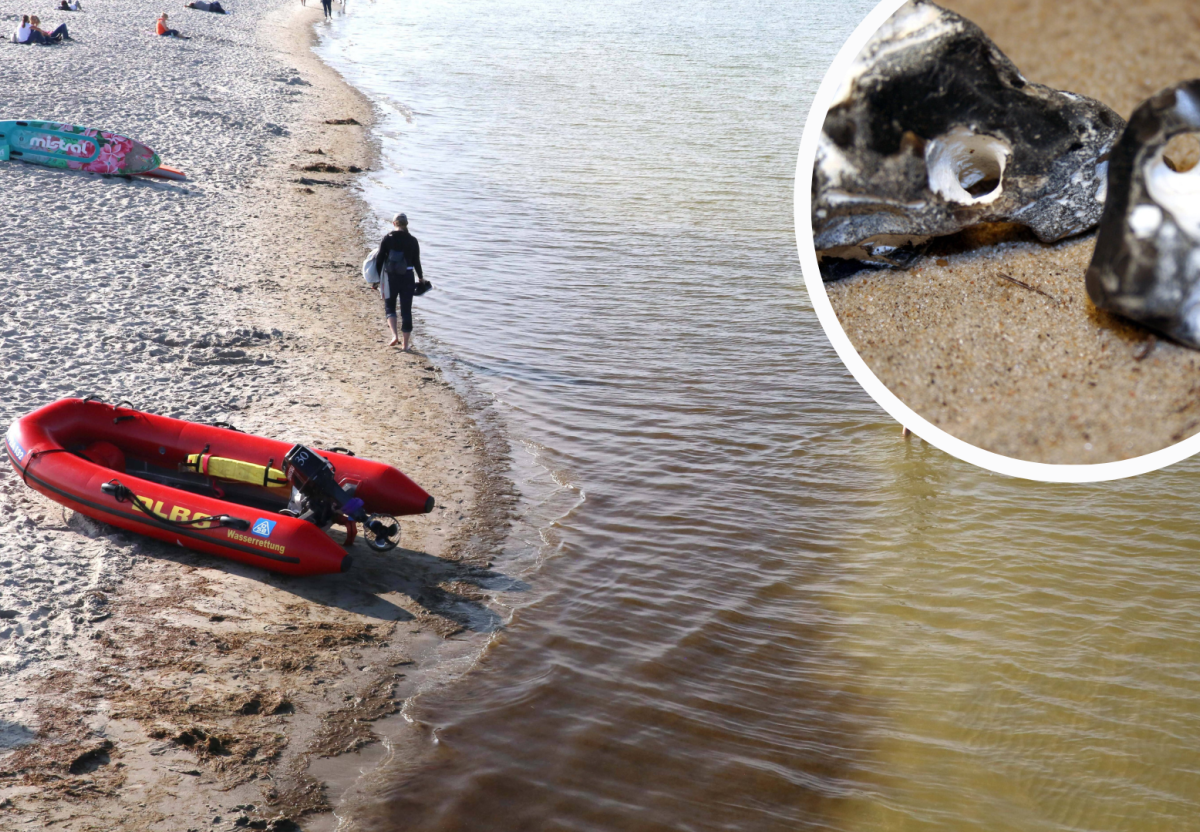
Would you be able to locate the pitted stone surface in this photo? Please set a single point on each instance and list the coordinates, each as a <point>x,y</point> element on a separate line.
<point>935,130</point>
<point>1147,260</point>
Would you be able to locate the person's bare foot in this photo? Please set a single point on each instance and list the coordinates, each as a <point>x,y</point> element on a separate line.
<point>393,342</point>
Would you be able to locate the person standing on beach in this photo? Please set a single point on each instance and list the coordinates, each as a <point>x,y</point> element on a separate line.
<point>399,255</point>
<point>327,5</point>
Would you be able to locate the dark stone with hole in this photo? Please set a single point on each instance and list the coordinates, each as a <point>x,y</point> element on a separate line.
<point>1146,265</point>
<point>935,130</point>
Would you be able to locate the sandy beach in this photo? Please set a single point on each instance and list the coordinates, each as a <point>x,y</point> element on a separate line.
<point>146,687</point>
<point>1038,373</point>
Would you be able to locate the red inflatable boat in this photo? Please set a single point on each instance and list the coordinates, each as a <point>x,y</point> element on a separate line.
<point>208,488</point>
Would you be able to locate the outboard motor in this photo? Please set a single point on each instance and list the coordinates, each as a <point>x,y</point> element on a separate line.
<point>318,498</point>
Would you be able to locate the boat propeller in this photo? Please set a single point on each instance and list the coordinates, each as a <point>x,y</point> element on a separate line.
<point>381,531</point>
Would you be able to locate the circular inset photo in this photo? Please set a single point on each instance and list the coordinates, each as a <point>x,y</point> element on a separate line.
<point>998,216</point>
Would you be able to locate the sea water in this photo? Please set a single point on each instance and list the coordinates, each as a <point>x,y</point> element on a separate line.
<point>734,598</point>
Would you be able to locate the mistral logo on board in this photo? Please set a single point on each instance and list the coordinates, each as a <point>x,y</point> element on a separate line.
<point>263,527</point>
<point>79,148</point>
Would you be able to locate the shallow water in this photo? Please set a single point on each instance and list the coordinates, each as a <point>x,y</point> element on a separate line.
<point>741,601</point>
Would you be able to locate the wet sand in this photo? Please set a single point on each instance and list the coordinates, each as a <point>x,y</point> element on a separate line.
<point>1006,368</point>
<point>146,687</point>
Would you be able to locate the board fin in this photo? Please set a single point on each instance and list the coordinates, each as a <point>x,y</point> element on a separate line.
<point>164,172</point>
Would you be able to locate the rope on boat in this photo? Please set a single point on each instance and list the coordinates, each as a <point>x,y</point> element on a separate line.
<point>35,455</point>
<point>122,494</point>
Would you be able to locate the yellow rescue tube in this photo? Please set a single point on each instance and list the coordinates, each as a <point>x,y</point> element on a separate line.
<point>235,470</point>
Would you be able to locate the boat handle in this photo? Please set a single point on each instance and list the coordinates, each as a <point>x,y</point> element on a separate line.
<point>91,397</point>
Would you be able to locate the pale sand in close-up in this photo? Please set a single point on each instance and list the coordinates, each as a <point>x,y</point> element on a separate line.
<point>144,686</point>
<point>1042,377</point>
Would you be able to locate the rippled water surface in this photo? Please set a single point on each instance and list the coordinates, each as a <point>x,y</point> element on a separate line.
<point>739,601</point>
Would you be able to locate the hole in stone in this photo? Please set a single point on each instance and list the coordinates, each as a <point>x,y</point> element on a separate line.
<point>982,186</point>
<point>1182,152</point>
<point>966,168</point>
<point>1172,178</point>
<point>979,172</point>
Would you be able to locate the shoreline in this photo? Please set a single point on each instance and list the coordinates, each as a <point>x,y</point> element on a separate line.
<point>192,688</point>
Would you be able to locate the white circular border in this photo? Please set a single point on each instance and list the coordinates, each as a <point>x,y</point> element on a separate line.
<point>898,410</point>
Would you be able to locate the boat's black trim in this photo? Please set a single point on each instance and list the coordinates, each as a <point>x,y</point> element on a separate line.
<point>130,516</point>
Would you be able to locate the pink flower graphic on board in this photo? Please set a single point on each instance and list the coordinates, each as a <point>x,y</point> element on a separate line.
<point>74,165</point>
<point>101,165</point>
<point>90,132</point>
<point>113,154</point>
<point>65,128</point>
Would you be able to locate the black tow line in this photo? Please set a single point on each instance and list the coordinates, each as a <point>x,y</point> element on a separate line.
<point>35,455</point>
<point>123,494</point>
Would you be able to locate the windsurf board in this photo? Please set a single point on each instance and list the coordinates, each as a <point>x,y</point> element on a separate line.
<point>69,146</point>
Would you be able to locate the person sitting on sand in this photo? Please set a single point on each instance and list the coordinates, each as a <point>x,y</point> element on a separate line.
<point>22,33</point>
<point>399,254</point>
<point>205,6</point>
<point>163,31</point>
<point>73,6</point>
<point>57,36</point>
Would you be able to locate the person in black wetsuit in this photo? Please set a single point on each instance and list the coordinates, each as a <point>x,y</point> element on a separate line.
<point>327,5</point>
<point>399,256</point>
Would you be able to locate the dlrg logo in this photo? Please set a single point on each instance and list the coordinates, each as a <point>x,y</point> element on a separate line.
<point>263,527</point>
